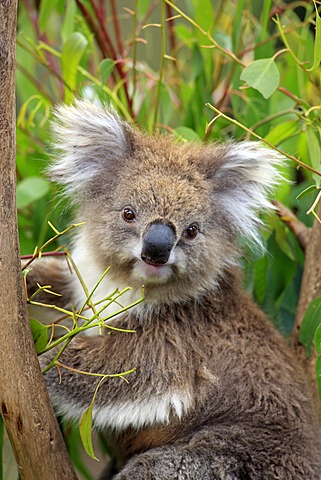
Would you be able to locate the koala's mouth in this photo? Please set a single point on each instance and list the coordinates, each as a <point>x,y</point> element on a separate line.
<point>151,272</point>
<point>153,264</point>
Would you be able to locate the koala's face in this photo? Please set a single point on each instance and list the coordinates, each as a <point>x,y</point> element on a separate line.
<point>161,215</point>
<point>164,221</point>
<point>159,224</point>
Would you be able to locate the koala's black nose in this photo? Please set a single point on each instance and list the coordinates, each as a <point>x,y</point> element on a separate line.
<point>158,243</point>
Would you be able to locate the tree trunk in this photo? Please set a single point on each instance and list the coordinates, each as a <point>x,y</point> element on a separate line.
<point>24,402</point>
<point>310,289</point>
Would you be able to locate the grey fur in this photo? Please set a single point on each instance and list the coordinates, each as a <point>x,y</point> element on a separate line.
<point>216,393</point>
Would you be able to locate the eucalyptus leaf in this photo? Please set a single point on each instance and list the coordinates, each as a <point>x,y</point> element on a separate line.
<point>69,20</point>
<point>165,104</point>
<point>40,334</point>
<point>106,67</point>
<point>85,430</point>
<point>282,132</point>
<point>261,284</point>
<point>306,191</point>
<point>311,321</point>
<point>318,373</point>
<point>1,444</point>
<point>204,17</point>
<point>184,33</point>
<point>282,240</point>
<point>31,189</point>
<point>317,42</point>
<point>317,339</point>
<point>46,12</point>
<point>72,53</point>
<point>263,75</point>
<point>188,134</point>
<point>314,152</point>
<point>142,8</point>
<point>85,426</point>
<point>280,272</point>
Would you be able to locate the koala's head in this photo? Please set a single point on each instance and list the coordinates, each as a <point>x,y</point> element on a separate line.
<point>162,215</point>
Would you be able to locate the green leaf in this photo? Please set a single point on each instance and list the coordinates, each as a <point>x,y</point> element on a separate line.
<point>31,189</point>
<point>282,240</point>
<point>46,12</point>
<point>317,42</point>
<point>184,33</point>
<point>39,333</point>
<point>314,152</point>
<point>85,426</point>
<point>280,272</point>
<point>187,134</point>
<point>165,102</point>
<point>263,75</point>
<point>317,339</point>
<point>310,323</point>
<point>85,429</point>
<point>318,372</point>
<point>142,8</point>
<point>238,29</point>
<point>1,444</point>
<point>197,65</point>
<point>71,55</point>
<point>30,108</point>
<point>306,191</point>
<point>106,67</point>
<point>265,21</point>
<point>224,40</point>
<point>68,25</point>
<point>204,16</point>
<point>261,284</point>
<point>281,132</point>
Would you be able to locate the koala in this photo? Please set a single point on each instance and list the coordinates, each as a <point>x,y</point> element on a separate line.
<point>216,393</point>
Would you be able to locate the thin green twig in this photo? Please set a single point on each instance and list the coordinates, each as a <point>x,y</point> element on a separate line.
<point>214,43</point>
<point>38,251</point>
<point>232,120</point>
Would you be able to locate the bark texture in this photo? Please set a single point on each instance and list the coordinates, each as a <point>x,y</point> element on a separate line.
<point>310,289</point>
<point>24,402</point>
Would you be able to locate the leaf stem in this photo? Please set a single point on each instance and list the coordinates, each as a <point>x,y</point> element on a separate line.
<point>284,40</point>
<point>232,120</point>
<point>38,251</point>
<point>91,374</point>
<point>223,50</point>
<point>88,324</point>
<point>313,206</point>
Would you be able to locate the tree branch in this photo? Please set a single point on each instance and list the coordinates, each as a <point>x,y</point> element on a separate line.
<point>310,242</point>
<point>310,289</point>
<point>24,402</point>
<point>301,231</point>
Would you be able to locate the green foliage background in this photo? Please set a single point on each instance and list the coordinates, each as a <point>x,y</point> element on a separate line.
<point>161,63</point>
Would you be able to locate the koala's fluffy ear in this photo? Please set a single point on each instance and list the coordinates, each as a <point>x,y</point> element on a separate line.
<point>246,174</point>
<point>86,139</point>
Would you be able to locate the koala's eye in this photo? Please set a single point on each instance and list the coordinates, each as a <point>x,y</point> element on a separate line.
<point>128,214</point>
<point>191,232</point>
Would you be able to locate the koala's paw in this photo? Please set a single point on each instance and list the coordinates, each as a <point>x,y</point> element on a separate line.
<point>173,463</point>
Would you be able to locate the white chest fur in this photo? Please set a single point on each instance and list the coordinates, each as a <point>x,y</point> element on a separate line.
<point>137,414</point>
<point>105,293</point>
<point>143,412</point>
